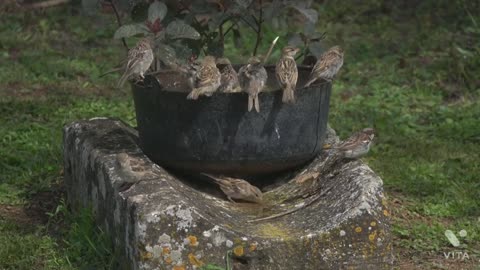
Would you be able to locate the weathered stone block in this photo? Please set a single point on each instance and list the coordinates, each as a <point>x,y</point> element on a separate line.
<point>161,221</point>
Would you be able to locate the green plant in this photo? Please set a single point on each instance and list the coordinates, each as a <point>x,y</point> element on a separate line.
<point>87,244</point>
<point>183,29</point>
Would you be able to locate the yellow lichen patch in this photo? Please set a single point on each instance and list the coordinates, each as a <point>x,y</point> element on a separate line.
<point>168,260</point>
<point>372,236</point>
<point>193,240</point>
<point>386,213</point>
<point>179,267</point>
<point>194,260</point>
<point>238,251</point>
<point>165,250</point>
<point>253,247</point>
<point>384,202</point>
<point>237,240</point>
<point>145,255</point>
<point>373,223</point>
<point>358,229</point>
<point>272,231</point>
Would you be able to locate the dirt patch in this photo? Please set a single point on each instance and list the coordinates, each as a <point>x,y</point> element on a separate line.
<point>18,215</point>
<point>22,91</point>
<point>36,210</point>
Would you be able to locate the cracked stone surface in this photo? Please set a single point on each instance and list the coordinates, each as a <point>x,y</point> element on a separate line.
<point>159,220</point>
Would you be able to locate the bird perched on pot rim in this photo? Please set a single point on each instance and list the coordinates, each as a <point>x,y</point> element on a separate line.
<point>357,145</point>
<point>139,59</point>
<point>252,78</point>
<point>205,80</point>
<point>238,189</point>
<point>191,70</point>
<point>229,77</point>
<point>287,73</point>
<point>327,66</point>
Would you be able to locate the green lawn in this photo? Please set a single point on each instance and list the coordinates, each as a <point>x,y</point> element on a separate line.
<point>410,72</point>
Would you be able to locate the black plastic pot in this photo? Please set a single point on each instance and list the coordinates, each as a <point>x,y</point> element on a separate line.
<point>217,134</point>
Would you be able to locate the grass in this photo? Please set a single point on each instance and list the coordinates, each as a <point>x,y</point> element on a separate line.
<point>410,72</point>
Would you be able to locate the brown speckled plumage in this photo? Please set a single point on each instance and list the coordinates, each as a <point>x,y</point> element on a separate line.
<point>327,66</point>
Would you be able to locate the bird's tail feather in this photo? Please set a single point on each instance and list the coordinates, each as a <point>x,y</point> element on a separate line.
<point>250,103</point>
<point>310,82</point>
<point>212,178</point>
<point>257,103</point>
<point>288,95</point>
<point>110,71</point>
<point>193,95</point>
<point>122,80</point>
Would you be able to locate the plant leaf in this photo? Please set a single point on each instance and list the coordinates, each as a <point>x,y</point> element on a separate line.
<point>309,28</point>
<point>295,40</point>
<point>243,3</point>
<point>166,54</point>
<point>215,48</point>
<point>217,19</point>
<point>182,51</point>
<point>129,30</point>
<point>156,10</point>
<point>316,49</point>
<point>178,29</point>
<point>310,14</point>
<point>139,12</point>
<point>273,10</point>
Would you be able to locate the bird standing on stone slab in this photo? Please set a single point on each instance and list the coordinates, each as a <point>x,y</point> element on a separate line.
<point>206,79</point>
<point>252,78</point>
<point>229,80</point>
<point>327,66</point>
<point>238,189</point>
<point>139,59</point>
<point>357,145</point>
<point>287,73</point>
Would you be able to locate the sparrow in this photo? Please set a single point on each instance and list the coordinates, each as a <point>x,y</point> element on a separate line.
<point>302,178</point>
<point>287,73</point>
<point>229,78</point>
<point>191,69</point>
<point>252,78</point>
<point>357,145</point>
<point>139,59</point>
<point>327,66</point>
<point>238,189</point>
<point>205,79</point>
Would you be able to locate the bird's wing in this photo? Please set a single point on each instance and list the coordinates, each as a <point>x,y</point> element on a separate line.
<point>353,141</point>
<point>287,71</point>
<point>206,76</point>
<point>324,62</point>
<point>136,55</point>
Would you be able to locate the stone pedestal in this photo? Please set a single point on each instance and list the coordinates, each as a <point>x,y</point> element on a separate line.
<point>159,220</point>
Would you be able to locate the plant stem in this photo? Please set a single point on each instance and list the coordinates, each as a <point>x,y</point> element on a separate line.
<point>259,29</point>
<point>249,24</point>
<point>299,56</point>
<point>119,22</point>
<point>221,37</point>
<point>270,50</point>
<point>229,28</point>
